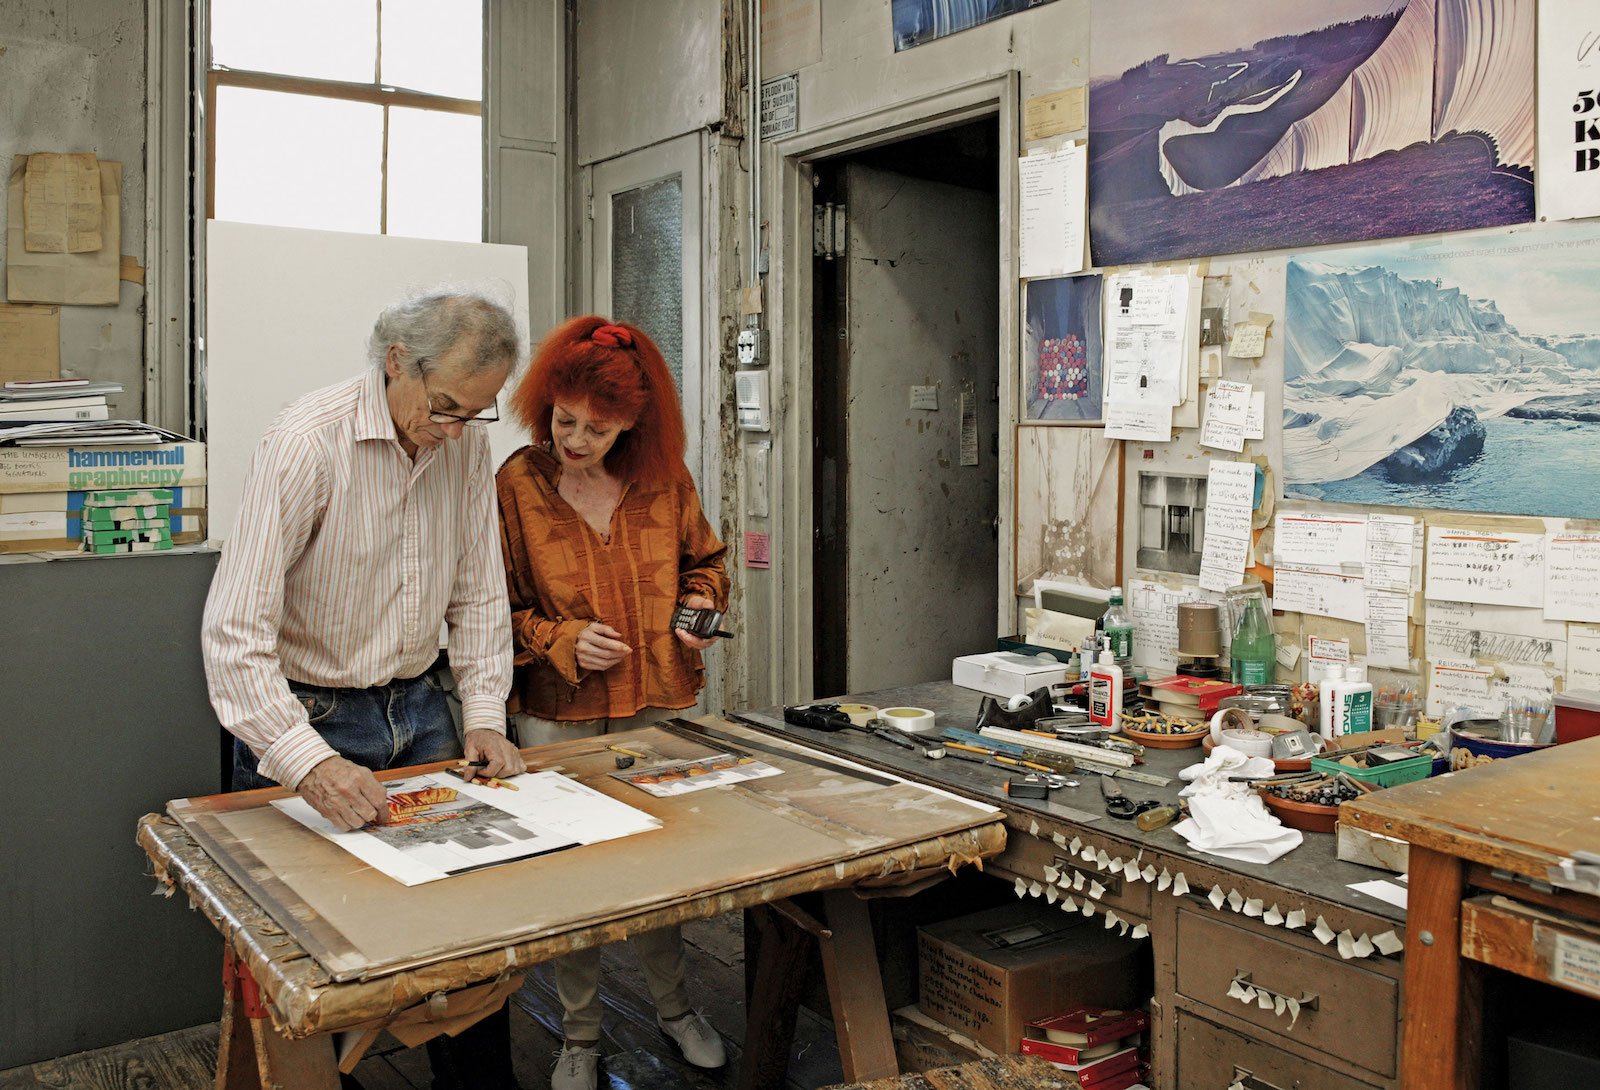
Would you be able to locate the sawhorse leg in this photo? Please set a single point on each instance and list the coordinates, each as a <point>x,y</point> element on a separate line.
<point>252,1055</point>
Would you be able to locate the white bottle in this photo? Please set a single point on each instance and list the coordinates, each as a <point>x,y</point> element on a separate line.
<point>1105,692</point>
<point>1333,676</point>
<point>1352,703</point>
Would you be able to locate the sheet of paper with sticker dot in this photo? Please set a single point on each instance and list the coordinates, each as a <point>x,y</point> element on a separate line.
<point>1217,897</point>
<point>1050,895</point>
<point>1088,907</point>
<point>1264,1000</point>
<point>1252,907</point>
<point>1111,919</point>
<point>1033,828</point>
<point>1021,887</point>
<point>1087,855</point>
<point>1235,900</point>
<point>1122,927</point>
<point>1102,859</point>
<point>1388,943</point>
<point>1272,917</point>
<point>1115,866</point>
<point>1278,1005</point>
<point>1149,872</point>
<point>1295,920</point>
<point>1077,842</point>
<point>1346,944</point>
<point>1249,995</point>
<point>1052,875</point>
<point>1069,903</point>
<point>1236,991</point>
<point>1059,840</point>
<point>1035,889</point>
<point>1362,947</point>
<point>1142,931</point>
<point>1294,1011</point>
<point>1078,880</point>
<point>1165,880</point>
<point>1130,871</point>
<point>1180,886</point>
<point>1096,890</point>
<point>1323,932</point>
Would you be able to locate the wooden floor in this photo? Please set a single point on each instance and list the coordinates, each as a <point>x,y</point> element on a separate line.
<point>637,1055</point>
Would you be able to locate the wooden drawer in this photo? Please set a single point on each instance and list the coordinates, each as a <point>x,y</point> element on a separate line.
<point>1355,1014</point>
<point>1027,856</point>
<point>1213,1058</point>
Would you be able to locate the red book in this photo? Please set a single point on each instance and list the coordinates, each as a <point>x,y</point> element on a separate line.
<point>1091,1076</point>
<point>1088,1026</point>
<point>1121,1080</point>
<point>1068,1054</point>
<point>1203,693</point>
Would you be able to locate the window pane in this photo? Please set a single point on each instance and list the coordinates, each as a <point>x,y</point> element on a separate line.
<point>434,46</point>
<point>323,39</point>
<point>647,265</point>
<point>298,161</point>
<point>435,174</point>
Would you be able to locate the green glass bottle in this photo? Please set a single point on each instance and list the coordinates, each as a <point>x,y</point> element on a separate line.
<point>1253,653</point>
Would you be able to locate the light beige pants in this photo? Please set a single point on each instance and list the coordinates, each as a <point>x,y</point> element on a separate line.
<point>660,952</point>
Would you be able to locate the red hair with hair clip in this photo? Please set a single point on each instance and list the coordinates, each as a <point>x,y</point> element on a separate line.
<point>617,370</point>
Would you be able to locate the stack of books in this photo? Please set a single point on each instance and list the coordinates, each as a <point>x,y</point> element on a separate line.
<point>1098,1048</point>
<point>55,399</point>
<point>127,521</point>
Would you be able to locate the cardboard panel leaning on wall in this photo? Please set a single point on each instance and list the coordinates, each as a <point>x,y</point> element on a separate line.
<point>74,80</point>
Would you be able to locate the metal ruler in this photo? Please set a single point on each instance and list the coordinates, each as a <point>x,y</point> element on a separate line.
<point>695,733</point>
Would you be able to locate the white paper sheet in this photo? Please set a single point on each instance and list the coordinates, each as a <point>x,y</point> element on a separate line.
<point>1383,890</point>
<point>1465,631</point>
<point>1583,657</point>
<point>1459,683</point>
<point>1572,577</point>
<point>1230,497</point>
<point>1226,414</point>
<point>1146,334</point>
<point>1307,540</point>
<point>1296,590</point>
<point>1051,186</point>
<point>1255,423</point>
<point>1495,568</point>
<point>1322,654</point>
<point>1389,552</point>
<point>1388,628</point>
<point>1568,145</point>
<point>1144,421</point>
<point>1249,341</point>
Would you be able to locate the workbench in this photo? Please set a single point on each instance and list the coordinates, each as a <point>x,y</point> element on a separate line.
<point>313,977</point>
<point>1487,847</point>
<point>1347,1034</point>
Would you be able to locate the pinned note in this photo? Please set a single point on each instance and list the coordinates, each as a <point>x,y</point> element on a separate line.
<point>1493,567</point>
<point>1140,421</point>
<point>1249,341</point>
<point>1230,497</point>
<point>1227,410</point>
<point>1572,577</point>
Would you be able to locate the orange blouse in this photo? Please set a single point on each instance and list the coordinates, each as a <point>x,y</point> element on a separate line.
<point>562,576</point>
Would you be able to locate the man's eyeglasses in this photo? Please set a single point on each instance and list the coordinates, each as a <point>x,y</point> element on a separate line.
<point>487,416</point>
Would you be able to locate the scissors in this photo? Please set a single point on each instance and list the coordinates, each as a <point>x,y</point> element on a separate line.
<point>1119,805</point>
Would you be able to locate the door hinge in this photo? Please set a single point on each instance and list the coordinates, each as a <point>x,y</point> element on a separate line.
<point>828,231</point>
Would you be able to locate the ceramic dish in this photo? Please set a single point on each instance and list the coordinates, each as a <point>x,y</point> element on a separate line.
<point>1166,741</point>
<point>1302,815</point>
<point>1280,764</point>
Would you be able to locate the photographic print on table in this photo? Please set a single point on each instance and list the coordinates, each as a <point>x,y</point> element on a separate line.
<point>919,21</point>
<point>1061,357</point>
<point>1461,373</point>
<point>1304,122</point>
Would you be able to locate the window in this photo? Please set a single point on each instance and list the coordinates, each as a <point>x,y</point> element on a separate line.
<point>347,115</point>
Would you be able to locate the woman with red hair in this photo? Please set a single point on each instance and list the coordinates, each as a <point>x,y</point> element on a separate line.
<point>604,538</point>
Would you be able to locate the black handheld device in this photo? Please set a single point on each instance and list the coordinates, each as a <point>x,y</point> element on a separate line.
<point>705,623</point>
<point>817,716</point>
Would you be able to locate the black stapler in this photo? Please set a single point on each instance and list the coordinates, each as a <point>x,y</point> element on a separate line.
<point>994,713</point>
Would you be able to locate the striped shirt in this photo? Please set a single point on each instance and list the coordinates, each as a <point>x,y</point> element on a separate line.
<point>346,558</point>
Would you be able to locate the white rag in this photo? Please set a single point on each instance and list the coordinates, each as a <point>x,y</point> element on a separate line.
<point>1228,818</point>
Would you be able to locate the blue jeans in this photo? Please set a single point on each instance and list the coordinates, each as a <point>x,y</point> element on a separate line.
<point>386,726</point>
<point>390,726</point>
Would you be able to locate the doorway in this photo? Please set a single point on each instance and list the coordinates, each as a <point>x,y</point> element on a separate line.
<point>905,407</point>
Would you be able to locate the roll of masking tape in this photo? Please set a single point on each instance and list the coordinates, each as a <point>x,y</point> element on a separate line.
<point>860,714</point>
<point>914,720</point>
<point>1252,743</point>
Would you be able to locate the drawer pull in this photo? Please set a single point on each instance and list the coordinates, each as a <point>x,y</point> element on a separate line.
<point>1244,1080</point>
<point>1266,999</point>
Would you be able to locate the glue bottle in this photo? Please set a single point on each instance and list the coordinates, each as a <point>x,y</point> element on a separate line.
<point>1352,703</point>
<point>1333,676</point>
<point>1105,691</point>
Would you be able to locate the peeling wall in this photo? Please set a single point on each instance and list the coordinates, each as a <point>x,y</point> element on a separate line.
<point>73,79</point>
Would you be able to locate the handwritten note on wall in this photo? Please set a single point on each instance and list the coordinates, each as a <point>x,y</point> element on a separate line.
<point>1230,497</point>
<point>1323,594</point>
<point>1390,545</point>
<point>1227,413</point>
<point>1327,542</point>
<point>1494,568</point>
<point>1572,577</point>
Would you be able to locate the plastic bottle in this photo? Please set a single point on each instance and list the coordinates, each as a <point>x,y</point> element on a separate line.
<point>1333,676</point>
<point>1352,703</point>
<point>1253,653</point>
<point>1118,629</point>
<point>1105,691</point>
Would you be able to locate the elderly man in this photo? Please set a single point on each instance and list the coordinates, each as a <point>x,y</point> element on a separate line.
<point>367,521</point>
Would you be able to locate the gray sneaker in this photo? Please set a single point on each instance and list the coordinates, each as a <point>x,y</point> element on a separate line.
<point>576,1068</point>
<point>696,1039</point>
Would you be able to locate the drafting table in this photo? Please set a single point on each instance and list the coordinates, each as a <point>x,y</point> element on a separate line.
<point>1483,842</point>
<point>324,951</point>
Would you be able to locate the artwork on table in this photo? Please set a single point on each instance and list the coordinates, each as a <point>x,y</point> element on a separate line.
<point>1461,374</point>
<point>920,21</point>
<point>1304,122</point>
<point>1061,357</point>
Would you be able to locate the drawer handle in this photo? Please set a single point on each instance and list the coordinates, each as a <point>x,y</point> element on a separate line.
<point>1254,995</point>
<point>1244,1080</point>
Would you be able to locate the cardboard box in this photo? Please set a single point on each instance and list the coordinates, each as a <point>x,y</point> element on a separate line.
<point>32,522</point>
<point>77,469</point>
<point>1005,673</point>
<point>988,974</point>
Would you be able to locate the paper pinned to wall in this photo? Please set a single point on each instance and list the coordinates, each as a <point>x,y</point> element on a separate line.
<point>1227,413</point>
<point>1146,336</point>
<point>1052,186</point>
<point>1249,341</point>
<point>1568,171</point>
<point>1144,421</point>
<point>1389,552</point>
<point>61,204</point>
<point>1459,683</point>
<point>1572,577</point>
<point>89,279</point>
<point>1583,657</point>
<point>1468,632</point>
<point>1155,623</point>
<point>1230,497</point>
<point>1320,593</point>
<point>1491,567</point>
<point>1388,628</point>
<point>1255,423</point>
<point>1307,540</point>
<point>1044,116</point>
<point>30,343</point>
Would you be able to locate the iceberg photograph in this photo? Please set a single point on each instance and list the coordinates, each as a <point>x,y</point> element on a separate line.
<point>1301,123</point>
<point>1461,374</point>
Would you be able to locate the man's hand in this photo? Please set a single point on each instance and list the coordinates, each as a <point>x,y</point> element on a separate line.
<point>345,793</point>
<point>600,647</point>
<point>699,643</point>
<point>493,747</point>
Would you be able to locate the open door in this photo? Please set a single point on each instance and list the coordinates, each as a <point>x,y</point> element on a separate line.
<point>907,411</point>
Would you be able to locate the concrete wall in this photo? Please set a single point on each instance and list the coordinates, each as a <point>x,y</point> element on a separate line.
<point>72,78</point>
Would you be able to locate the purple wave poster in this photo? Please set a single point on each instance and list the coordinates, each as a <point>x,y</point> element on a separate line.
<point>1303,122</point>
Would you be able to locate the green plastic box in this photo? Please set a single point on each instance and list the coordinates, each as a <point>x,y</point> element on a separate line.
<point>1412,768</point>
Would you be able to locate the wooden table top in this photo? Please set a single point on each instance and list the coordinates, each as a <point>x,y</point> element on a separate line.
<point>1524,813</point>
